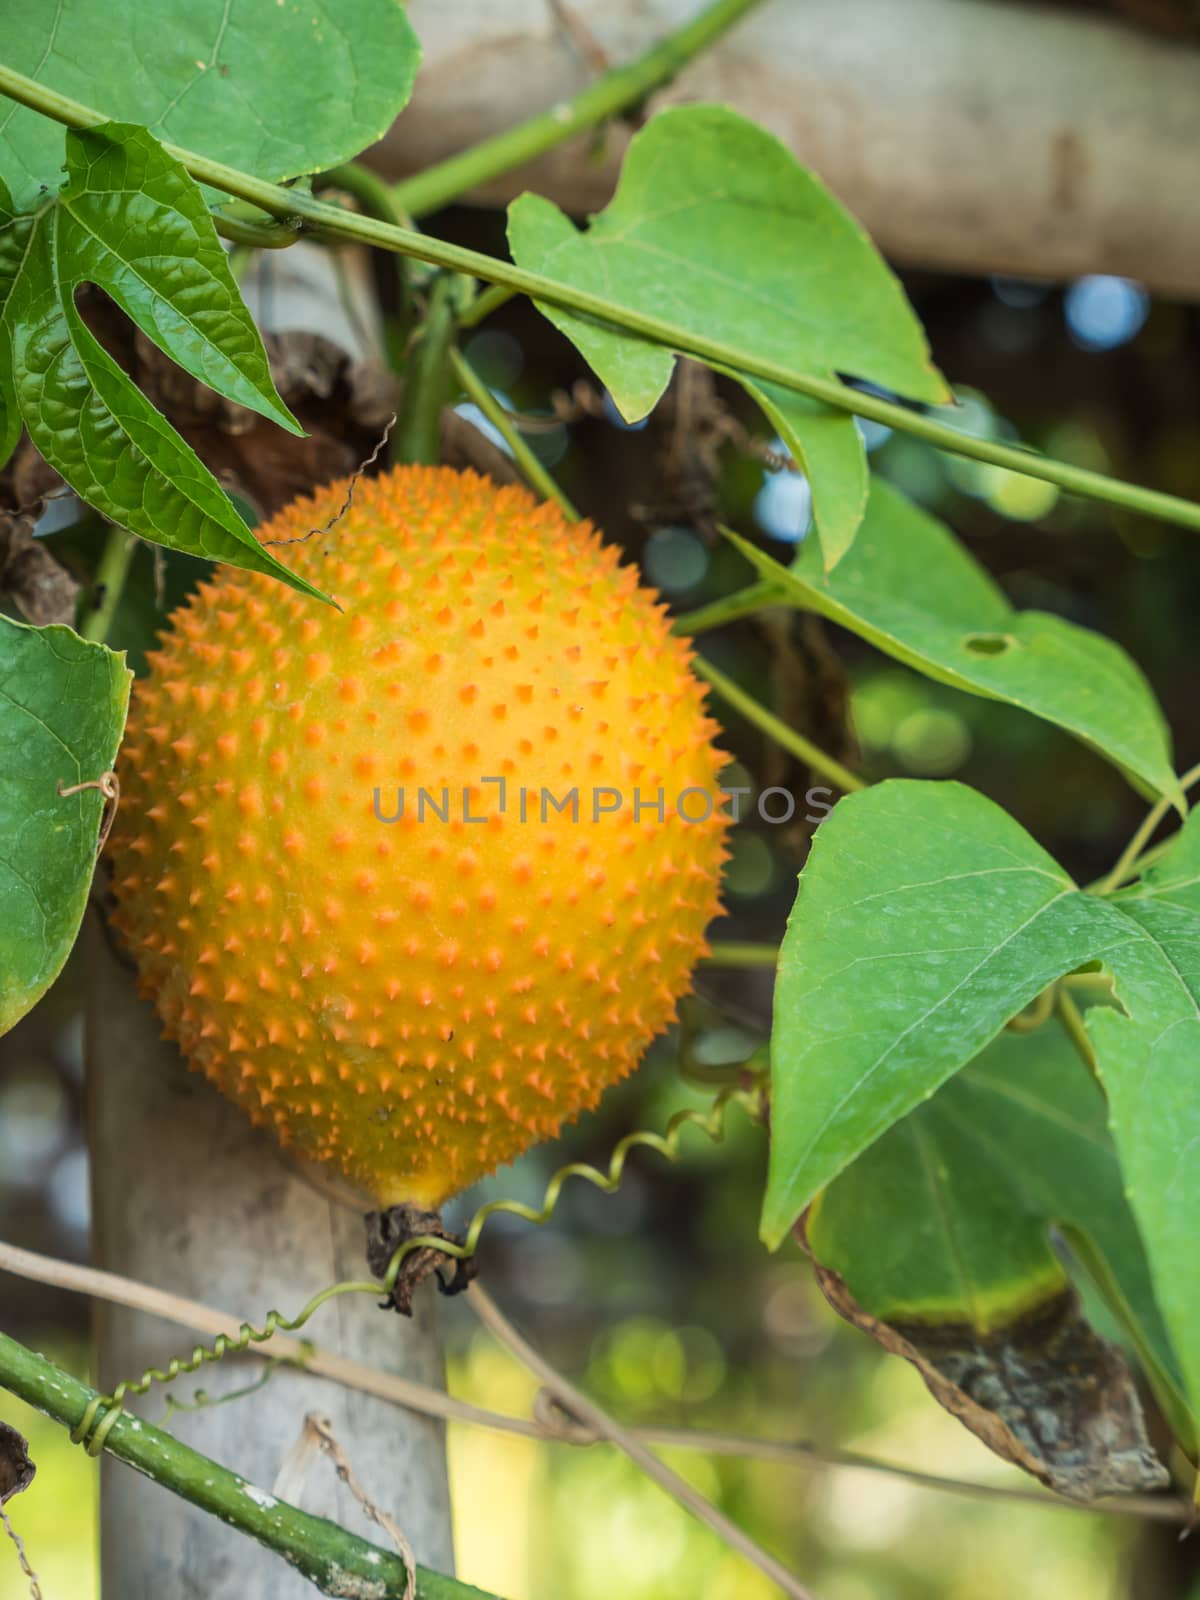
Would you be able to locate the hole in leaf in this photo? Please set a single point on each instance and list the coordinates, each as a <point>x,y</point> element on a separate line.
<point>988,644</point>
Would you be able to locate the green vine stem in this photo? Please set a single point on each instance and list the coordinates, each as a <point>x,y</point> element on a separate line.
<point>1036,1015</point>
<point>338,1562</point>
<point>729,608</point>
<point>740,953</point>
<point>1075,1028</point>
<point>373,195</point>
<point>1135,854</point>
<point>109,583</point>
<point>484,303</point>
<point>775,728</point>
<point>426,384</point>
<point>340,223</point>
<point>615,92</point>
<point>533,470</point>
<point>254,231</point>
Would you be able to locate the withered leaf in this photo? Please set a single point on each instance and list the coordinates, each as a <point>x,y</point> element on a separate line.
<point>944,1242</point>
<point>16,1469</point>
<point>343,403</point>
<point>41,589</point>
<point>1045,1392</point>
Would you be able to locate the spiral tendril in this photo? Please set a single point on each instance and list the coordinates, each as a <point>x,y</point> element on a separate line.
<point>103,1411</point>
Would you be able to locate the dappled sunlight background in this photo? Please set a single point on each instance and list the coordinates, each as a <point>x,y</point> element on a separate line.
<point>536,1520</point>
<point>57,1515</point>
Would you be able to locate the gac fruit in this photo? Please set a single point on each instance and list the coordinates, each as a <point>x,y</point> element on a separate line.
<point>334,938</point>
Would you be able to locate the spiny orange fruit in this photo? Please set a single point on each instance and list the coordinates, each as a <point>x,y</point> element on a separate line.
<point>417,998</point>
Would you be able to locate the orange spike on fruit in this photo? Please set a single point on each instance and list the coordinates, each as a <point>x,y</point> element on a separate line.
<point>415,718</point>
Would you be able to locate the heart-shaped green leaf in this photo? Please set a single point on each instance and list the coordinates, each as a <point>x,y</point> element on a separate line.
<point>890,978</point>
<point>273,89</point>
<point>716,229</point>
<point>926,918</point>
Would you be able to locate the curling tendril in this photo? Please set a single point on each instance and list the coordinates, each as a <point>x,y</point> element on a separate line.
<point>102,1412</point>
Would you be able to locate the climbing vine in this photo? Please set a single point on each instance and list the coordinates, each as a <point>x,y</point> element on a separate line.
<point>948,1002</point>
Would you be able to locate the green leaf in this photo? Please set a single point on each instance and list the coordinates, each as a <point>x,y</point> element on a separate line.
<point>829,447</point>
<point>1148,1059</point>
<point>925,919</point>
<point>15,232</point>
<point>972,1183</point>
<point>542,239</point>
<point>83,413</point>
<point>10,419</point>
<point>134,223</point>
<point>273,89</point>
<point>715,228</point>
<point>892,973</point>
<point>62,712</point>
<point>909,587</point>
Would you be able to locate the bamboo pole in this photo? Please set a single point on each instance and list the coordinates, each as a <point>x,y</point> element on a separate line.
<point>968,135</point>
<point>189,1197</point>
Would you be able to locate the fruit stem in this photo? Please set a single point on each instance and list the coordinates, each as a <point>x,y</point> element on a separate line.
<point>532,469</point>
<point>426,379</point>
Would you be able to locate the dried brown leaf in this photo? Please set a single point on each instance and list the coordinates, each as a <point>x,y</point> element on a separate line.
<point>1045,1392</point>
<point>16,1469</point>
<point>41,589</point>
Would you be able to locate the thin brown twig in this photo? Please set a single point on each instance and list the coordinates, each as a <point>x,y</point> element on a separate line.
<point>35,1588</point>
<point>331,524</point>
<point>579,1405</point>
<point>110,787</point>
<point>552,1426</point>
<point>581,36</point>
<point>322,1430</point>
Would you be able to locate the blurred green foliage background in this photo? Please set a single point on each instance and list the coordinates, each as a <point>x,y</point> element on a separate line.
<point>659,1300</point>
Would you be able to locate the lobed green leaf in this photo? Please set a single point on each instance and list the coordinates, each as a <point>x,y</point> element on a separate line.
<point>132,221</point>
<point>716,228</point>
<point>85,416</point>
